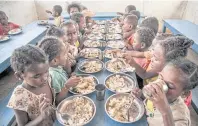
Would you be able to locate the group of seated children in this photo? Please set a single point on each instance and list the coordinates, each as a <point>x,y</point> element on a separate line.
<point>157,57</point>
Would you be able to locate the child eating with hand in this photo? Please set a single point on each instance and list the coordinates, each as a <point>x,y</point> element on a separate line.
<point>168,108</point>
<point>32,100</point>
<point>56,13</point>
<point>6,26</point>
<point>56,51</point>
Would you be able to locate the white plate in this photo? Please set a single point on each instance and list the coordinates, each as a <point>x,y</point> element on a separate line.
<point>4,38</point>
<point>15,31</point>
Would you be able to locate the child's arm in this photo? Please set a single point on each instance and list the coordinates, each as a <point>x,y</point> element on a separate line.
<point>139,70</point>
<point>135,54</point>
<point>22,117</point>
<point>67,67</point>
<point>47,11</point>
<point>71,82</point>
<point>161,103</point>
<point>120,13</point>
<point>127,34</point>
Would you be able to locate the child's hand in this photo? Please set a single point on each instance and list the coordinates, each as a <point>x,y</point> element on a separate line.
<point>47,11</point>
<point>159,98</point>
<point>44,107</point>
<point>72,82</point>
<point>137,92</point>
<point>129,59</point>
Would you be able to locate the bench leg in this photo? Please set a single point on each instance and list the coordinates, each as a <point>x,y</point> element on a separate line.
<point>164,29</point>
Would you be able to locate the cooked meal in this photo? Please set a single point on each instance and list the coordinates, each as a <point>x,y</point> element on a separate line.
<point>123,108</point>
<point>91,66</point>
<point>116,65</point>
<point>92,43</point>
<point>14,31</point>
<point>113,53</point>
<point>95,36</point>
<point>90,53</point>
<point>4,38</point>
<point>85,86</point>
<point>115,44</point>
<point>80,109</point>
<point>43,22</point>
<point>114,36</point>
<point>120,83</point>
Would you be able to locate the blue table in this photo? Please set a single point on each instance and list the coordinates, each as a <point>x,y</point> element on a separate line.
<point>101,118</point>
<point>183,27</point>
<point>98,16</point>
<point>31,34</point>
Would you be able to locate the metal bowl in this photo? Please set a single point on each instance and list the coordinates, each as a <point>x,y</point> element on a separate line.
<point>88,60</point>
<point>88,43</point>
<point>58,116</point>
<point>106,64</point>
<point>5,38</point>
<point>118,44</point>
<point>114,36</point>
<point>110,49</point>
<point>139,104</point>
<point>85,75</point>
<point>90,50</point>
<point>129,79</point>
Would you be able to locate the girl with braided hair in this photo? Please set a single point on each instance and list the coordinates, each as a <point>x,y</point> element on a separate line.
<point>56,51</point>
<point>31,100</point>
<point>163,52</point>
<point>168,108</point>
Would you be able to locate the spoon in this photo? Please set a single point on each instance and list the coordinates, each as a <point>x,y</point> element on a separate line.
<point>64,116</point>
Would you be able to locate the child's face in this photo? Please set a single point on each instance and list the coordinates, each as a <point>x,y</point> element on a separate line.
<point>54,13</point>
<point>71,34</point>
<point>126,26</point>
<point>137,45</point>
<point>175,80</point>
<point>158,58</point>
<point>36,75</point>
<point>3,19</point>
<point>82,23</point>
<point>73,10</point>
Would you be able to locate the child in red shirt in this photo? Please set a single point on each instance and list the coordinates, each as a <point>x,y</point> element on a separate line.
<point>6,26</point>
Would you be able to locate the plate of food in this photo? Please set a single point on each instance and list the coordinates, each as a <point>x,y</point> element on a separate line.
<point>118,65</point>
<point>42,22</point>
<point>91,53</point>
<point>93,43</point>
<point>4,38</point>
<point>99,30</point>
<point>116,44</point>
<point>95,36</point>
<point>15,31</point>
<point>102,22</point>
<point>81,110</point>
<point>114,36</point>
<point>115,30</point>
<point>124,108</point>
<point>120,83</point>
<point>91,66</point>
<point>113,53</point>
<point>86,85</point>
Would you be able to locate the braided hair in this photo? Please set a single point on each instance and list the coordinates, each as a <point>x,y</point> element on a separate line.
<point>73,5</point>
<point>176,47</point>
<point>189,69</point>
<point>146,35</point>
<point>25,56</point>
<point>55,31</point>
<point>151,22</point>
<point>51,46</point>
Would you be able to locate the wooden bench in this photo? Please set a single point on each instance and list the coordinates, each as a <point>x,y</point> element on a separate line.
<point>31,34</point>
<point>189,30</point>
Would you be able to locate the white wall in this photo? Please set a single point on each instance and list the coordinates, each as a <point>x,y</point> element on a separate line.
<point>19,12</point>
<point>191,12</point>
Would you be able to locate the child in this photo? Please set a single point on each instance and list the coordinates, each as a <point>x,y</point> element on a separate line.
<point>32,99</point>
<point>56,13</point>
<point>79,18</point>
<point>56,51</point>
<point>151,22</point>
<point>163,52</point>
<point>59,33</point>
<point>6,26</point>
<point>129,27</point>
<point>127,9</point>
<point>73,8</point>
<point>143,38</point>
<point>136,13</point>
<point>169,109</point>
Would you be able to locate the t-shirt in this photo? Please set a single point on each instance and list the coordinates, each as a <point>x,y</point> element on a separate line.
<point>59,78</point>
<point>5,29</point>
<point>180,112</point>
<point>58,21</point>
<point>130,40</point>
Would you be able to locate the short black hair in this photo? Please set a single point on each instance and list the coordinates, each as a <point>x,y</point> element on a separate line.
<point>190,69</point>
<point>55,31</point>
<point>25,56</point>
<point>51,46</point>
<point>132,19</point>
<point>151,22</point>
<point>58,9</point>
<point>72,5</point>
<point>76,17</point>
<point>146,35</point>
<point>66,24</point>
<point>2,13</point>
<point>136,13</point>
<point>162,36</point>
<point>176,47</point>
<point>129,8</point>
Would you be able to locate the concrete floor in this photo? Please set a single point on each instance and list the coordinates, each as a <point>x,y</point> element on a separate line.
<point>8,81</point>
